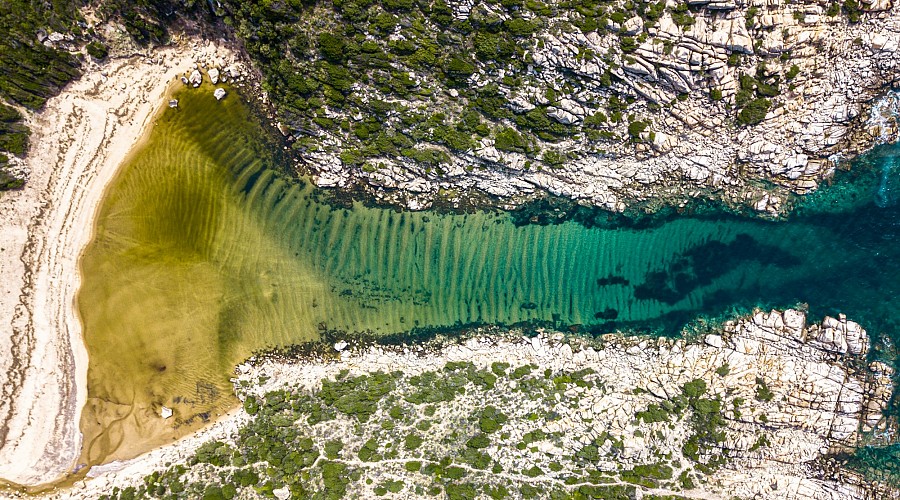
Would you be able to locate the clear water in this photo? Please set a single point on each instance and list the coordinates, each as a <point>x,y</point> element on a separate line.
<point>204,253</point>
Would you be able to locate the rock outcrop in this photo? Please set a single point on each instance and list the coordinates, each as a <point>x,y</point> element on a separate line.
<point>804,391</point>
<point>747,411</point>
<point>741,93</point>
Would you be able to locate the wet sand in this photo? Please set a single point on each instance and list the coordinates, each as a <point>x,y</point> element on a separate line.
<point>78,142</point>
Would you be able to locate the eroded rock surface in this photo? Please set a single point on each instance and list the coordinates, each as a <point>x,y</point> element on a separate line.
<point>747,92</point>
<point>746,412</point>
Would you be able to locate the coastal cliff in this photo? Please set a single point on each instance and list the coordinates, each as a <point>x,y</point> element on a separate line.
<point>761,408</point>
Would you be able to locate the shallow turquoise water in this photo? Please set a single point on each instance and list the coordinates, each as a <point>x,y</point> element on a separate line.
<point>836,254</point>
<point>204,253</point>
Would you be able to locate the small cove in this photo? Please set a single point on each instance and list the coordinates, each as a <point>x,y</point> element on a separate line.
<point>204,253</point>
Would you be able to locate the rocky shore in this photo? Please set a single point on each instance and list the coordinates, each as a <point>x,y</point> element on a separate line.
<point>744,103</point>
<point>751,411</point>
<point>814,77</point>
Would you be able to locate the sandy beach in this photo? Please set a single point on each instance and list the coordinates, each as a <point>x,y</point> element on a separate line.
<point>78,142</point>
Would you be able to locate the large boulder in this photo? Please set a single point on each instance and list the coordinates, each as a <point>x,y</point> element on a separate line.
<point>196,78</point>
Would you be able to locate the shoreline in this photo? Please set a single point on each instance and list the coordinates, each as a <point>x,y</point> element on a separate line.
<point>80,139</point>
<point>813,369</point>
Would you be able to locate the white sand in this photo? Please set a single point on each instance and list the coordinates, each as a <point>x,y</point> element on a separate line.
<point>79,141</point>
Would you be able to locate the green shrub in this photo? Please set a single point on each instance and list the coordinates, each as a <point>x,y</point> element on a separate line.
<point>403,47</point>
<point>652,12</point>
<point>213,492</point>
<point>478,442</point>
<point>15,142</point>
<point>333,449</point>
<point>554,158</point>
<point>636,128</point>
<point>461,491</point>
<point>332,47</point>
<point>412,441</point>
<point>97,50</point>
<point>853,10</point>
<point>394,486</point>
<point>338,77</point>
<point>430,387</point>
<point>695,388</point>
<point>520,27</point>
<point>357,396</point>
<point>595,120</point>
<point>766,90</point>
<point>215,453</point>
<point>492,47</point>
<point>13,133</point>
<point>654,471</point>
<point>453,138</point>
<point>743,97</point>
<point>750,16</point>
<point>521,371</point>
<point>628,44</point>
<point>454,472</point>
<point>499,368</point>
<point>458,69</point>
<point>498,492</point>
<point>397,5</point>
<point>682,17</point>
<point>507,139</point>
<point>653,413</point>
<point>368,452</point>
<point>792,72</point>
<point>533,471</point>
<point>755,112</point>
<point>763,393</point>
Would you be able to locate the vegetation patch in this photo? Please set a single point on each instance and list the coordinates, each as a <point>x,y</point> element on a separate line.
<point>390,434</point>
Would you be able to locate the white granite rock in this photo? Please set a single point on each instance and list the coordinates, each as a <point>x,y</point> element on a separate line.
<point>196,78</point>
